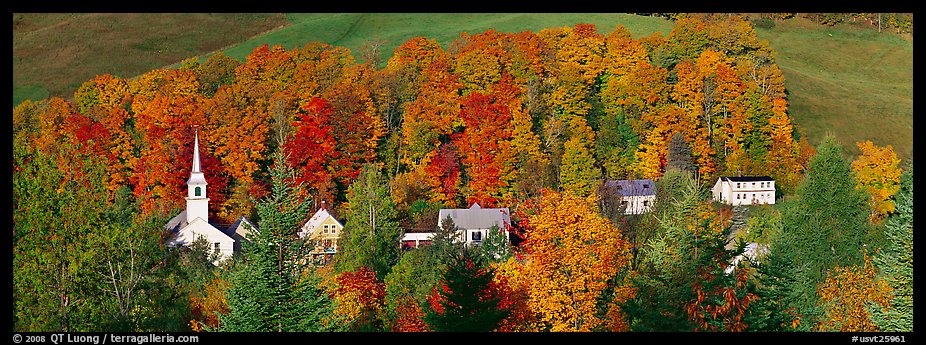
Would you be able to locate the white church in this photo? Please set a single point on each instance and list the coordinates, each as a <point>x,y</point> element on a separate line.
<point>193,222</point>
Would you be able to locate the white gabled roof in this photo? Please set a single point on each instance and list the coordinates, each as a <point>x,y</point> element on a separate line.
<point>316,221</point>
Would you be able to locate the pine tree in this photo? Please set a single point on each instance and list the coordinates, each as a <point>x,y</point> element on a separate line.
<point>272,289</point>
<point>371,235</point>
<point>468,300</point>
<point>826,226</point>
<point>895,262</point>
<point>679,155</point>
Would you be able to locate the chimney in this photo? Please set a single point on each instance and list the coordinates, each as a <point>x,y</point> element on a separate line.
<point>323,204</point>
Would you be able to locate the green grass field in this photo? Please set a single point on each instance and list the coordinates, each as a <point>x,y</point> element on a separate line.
<point>354,30</point>
<point>54,53</point>
<point>852,82</point>
<point>849,81</point>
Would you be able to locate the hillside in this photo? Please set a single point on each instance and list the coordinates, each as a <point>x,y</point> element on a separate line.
<point>847,80</point>
<point>55,53</point>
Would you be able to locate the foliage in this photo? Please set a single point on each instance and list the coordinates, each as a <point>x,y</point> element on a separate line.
<point>371,233</point>
<point>825,227</point>
<point>846,294</point>
<point>272,289</point>
<point>358,300</point>
<point>569,271</point>
<point>468,299</point>
<point>895,262</point>
<point>877,173</point>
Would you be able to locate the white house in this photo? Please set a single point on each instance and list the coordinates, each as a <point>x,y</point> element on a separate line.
<point>473,225</point>
<point>636,196</point>
<point>193,222</point>
<point>325,230</point>
<point>744,190</point>
<point>753,251</point>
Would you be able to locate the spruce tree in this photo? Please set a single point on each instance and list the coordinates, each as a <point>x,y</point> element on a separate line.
<point>826,226</point>
<point>272,289</point>
<point>895,262</point>
<point>679,155</point>
<point>371,235</point>
<point>468,300</point>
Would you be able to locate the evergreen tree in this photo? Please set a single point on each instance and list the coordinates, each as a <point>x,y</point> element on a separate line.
<point>468,300</point>
<point>273,289</point>
<point>826,226</point>
<point>895,262</point>
<point>679,155</point>
<point>495,248</point>
<point>371,234</point>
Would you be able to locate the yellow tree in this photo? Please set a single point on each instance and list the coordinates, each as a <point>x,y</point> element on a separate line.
<point>846,294</point>
<point>877,172</point>
<point>573,252</point>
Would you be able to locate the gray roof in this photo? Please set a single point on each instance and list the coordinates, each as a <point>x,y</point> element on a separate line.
<point>632,187</point>
<point>476,217</point>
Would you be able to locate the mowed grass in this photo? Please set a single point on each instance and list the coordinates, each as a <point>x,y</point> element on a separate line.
<point>55,53</point>
<point>852,82</point>
<point>355,30</point>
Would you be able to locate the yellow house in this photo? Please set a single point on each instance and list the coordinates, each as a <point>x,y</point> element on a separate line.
<point>325,230</point>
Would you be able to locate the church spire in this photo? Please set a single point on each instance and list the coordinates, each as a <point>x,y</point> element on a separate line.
<point>196,167</point>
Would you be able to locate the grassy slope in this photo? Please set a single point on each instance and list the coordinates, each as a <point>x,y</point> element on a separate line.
<point>53,54</point>
<point>353,30</point>
<point>852,82</point>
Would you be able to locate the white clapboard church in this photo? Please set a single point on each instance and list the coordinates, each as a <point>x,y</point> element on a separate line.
<point>193,222</point>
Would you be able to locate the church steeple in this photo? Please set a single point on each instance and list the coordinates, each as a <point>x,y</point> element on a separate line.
<point>197,204</point>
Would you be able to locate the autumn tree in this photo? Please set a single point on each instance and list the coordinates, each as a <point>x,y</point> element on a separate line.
<point>579,173</point>
<point>847,293</point>
<point>312,149</point>
<point>877,173</point>
<point>679,155</point>
<point>570,271</point>
<point>358,300</point>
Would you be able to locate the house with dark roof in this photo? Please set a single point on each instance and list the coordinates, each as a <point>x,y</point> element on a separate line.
<point>744,190</point>
<point>193,223</point>
<point>635,196</point>
<point>473,225</point>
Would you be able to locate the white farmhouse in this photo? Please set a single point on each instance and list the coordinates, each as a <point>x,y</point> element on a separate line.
<point>636,196</point>
<point>193,222</point>
<point>473,225</point>
<point>744,190</point>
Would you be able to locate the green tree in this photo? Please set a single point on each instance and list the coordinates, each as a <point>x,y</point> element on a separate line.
<point>468,301</point>
<point>495,248</point>
<point>825,227</point>
<point>272,289</point>
<point>895,262</point>
<point>59,199</point>
<point>679,155</point>
<point>371,234</point>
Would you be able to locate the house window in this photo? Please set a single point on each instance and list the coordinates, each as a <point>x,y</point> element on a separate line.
<point>737,185</point>
<point>325,229</point>
<point>477,236</point>
<point>753,185</point>
<point>216,246</point>
<point>333,229</point>
<point>646,185</point>
<point>645,203</point>
<point>737,196</point>
<point>198,191</point>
